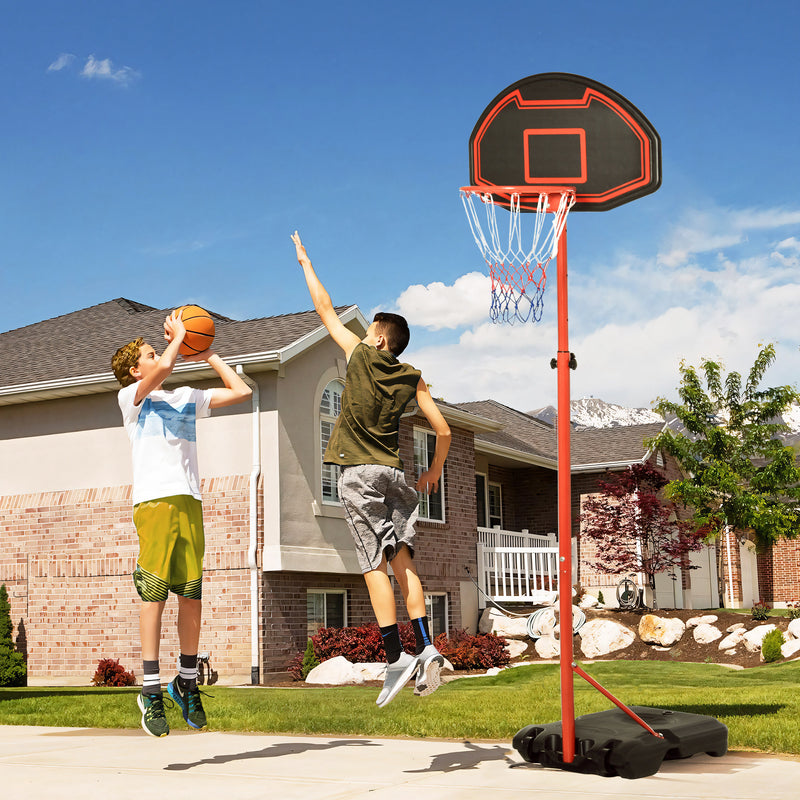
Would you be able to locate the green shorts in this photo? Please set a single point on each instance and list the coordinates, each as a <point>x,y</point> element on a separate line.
<point>171,548</point>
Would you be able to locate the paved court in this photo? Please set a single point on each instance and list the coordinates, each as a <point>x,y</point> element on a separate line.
<point>75,763</point>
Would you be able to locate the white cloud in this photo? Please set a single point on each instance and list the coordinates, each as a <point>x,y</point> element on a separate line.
<point>104,70</point>
<point>63,61</point>
<point>632,323</point>
<point>437,305</point>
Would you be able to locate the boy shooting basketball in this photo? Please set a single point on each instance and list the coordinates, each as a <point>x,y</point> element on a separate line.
<point>167,507</point>
<point>381,508</point>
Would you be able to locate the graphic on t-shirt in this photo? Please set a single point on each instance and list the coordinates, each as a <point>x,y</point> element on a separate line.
<point>158,418</point>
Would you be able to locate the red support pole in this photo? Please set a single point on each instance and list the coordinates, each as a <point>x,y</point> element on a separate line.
<point>564,511</point>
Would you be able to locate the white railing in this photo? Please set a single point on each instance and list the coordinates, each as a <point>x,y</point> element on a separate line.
<point>516,566</point>
<point>497,537</point>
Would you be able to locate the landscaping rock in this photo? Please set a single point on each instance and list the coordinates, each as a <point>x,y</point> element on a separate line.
<point>659,630</point>
<point>733,639</point>
<point>794,628</point>
<point>708,619</point>
<point>599,637</point>
<point>547,647</point>
<point>754,638</point>
<point>515,647</point>
<point>706,633</point>
<point>335,671</point>
<point>494,621</point>
<point>790,648</point>
<point>738,626</point>
<point>588,601</point>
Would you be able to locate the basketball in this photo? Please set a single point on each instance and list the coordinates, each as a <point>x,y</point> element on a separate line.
<point>199,330</point>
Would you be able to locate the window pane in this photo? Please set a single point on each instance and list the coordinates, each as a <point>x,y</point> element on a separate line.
<point>430,505</point>
<point>315,612</point>
<point>436,609</point>
<point>334,610</point>
<point>495,505</point>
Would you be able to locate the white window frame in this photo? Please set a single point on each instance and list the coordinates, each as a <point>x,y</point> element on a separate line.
<point>329,470</point>
<point>424,499</point>
<point>325,593</point>
<point>429,611</point>
<point>493,521</point>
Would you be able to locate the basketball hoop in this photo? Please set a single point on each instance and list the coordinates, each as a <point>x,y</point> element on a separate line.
<point>518,265</point>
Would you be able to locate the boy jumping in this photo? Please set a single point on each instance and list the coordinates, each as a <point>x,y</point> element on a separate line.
<point>381,508</point>
<point>167,509</point>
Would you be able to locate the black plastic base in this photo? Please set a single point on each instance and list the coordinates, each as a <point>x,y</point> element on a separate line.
<point>611,743</point>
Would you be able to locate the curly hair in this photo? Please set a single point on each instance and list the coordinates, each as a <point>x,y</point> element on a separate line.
<point>125,358</point>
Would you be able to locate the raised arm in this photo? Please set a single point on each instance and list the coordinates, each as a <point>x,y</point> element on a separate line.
<point>174,331</point>
<point>344,337</point>
<point>428,481</point>
<point>235,391</point>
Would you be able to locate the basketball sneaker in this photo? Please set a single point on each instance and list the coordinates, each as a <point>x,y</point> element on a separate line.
<point>428,680</point>
<point>154,721</point>
<point>398,674</point>
<point>189,702</point>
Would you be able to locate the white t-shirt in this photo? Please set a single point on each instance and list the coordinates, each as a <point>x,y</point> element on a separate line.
<point>164,440</point>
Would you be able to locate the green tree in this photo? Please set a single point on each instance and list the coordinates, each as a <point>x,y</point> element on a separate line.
<point>12,665</point>
<point>726,438</point>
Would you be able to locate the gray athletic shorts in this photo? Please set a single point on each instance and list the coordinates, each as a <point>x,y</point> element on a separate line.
<point>381,510</point>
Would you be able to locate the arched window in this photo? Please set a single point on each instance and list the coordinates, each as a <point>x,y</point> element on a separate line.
<point>330,407</point>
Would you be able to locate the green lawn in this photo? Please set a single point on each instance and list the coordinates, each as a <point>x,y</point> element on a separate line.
<point>760,706</point>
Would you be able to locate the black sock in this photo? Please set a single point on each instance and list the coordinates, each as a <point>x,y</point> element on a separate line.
<point>391,642</point>
<point>151,679</point>
<point>421,633</point>
<point>188,671</point>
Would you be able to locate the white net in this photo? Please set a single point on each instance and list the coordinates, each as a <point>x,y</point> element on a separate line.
<point>518,264</point>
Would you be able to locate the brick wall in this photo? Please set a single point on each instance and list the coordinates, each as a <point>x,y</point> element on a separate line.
<point>67,562</point>
<point>779,572</point>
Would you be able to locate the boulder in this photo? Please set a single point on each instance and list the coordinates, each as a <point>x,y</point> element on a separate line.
<point>588,601</point>
<point>733,639</point>
<point>335,671</point>
<point>754,638</point>
<point>547,647</point>
<point>494,621</point>
<point>370,671</point>
<point>660,630</point>
<point>708,619</point>
<point>515,647</point>
<point>599,637</point>
<point>790,648</point>
<point>737,626</point>
<point>794,628</point>
<point>705,633</point>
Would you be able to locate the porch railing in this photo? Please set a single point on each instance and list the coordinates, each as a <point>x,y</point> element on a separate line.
<point>517,566</point>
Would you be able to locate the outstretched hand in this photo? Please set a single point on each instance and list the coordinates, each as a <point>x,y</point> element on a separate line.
<point>302,255</point>
<point>173,326</point>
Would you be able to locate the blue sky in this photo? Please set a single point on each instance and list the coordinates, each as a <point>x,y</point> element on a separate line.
<point>164,152</point>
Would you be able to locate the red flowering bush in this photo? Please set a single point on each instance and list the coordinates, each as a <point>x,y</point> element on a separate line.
<point>364,645</point>
<point>467,651</point>
<point>111,673</point>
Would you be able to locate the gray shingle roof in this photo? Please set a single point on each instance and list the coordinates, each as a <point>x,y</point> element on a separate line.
<point>82,343</point>
<point>624,444</point>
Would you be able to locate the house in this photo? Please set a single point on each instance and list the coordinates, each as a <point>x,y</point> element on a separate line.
<point>279,560</point>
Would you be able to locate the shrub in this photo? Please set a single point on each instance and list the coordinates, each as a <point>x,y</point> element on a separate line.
<point>793,609</point>
<point>13,670</point>
<point>771,645</point>
<point>110,672</point>
<point>467,651</point>
<point>760,610</point>
<point>310,660</point>
<point>600,599</point>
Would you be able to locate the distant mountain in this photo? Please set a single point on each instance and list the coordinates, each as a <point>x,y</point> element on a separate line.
<point>591,412</point>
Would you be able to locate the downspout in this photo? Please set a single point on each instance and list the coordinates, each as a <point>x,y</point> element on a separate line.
<point>255,473</point>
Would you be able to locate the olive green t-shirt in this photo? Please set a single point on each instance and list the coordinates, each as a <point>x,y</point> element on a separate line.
<point>377,390</point>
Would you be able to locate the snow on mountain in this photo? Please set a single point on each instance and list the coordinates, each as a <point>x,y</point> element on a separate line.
<point>591,412</point>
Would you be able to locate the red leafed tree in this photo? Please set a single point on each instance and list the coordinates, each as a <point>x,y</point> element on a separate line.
<point>633,529</point>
